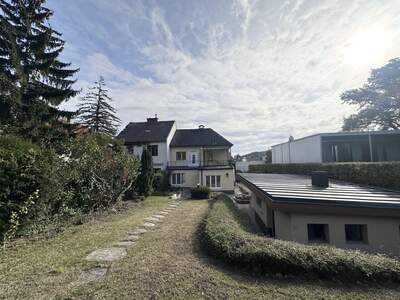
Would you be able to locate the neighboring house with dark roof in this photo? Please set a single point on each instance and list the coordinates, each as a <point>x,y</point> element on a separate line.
<point>193,156</point>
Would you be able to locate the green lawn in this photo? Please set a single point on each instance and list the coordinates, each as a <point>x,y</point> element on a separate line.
<point>166,263</point>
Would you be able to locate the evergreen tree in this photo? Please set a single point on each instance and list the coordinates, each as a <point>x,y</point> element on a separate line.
<point>146,176</point>
<point>96,113</point>
<point>33,81</point>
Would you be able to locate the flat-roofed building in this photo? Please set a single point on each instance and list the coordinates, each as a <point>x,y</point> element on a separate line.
<point>369,146</point>
<point>289,207</point>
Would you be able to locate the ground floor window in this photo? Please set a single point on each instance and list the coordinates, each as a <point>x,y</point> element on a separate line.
<point>178,178</point>
<point>356,233</point>
<point>213,181</point>
<point>318,233</point>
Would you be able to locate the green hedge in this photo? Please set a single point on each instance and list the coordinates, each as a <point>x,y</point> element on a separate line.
<point>383,174</point>
<point>227,236</point>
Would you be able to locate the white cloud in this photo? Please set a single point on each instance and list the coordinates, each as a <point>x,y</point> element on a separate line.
<point>256,71</point>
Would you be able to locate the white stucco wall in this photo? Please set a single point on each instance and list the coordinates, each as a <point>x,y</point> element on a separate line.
<point>306,150</point>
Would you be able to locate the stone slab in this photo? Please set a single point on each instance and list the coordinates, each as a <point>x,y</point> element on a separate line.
<point>137,231</point>
<point>148,224</point>
<point>131,238</point>
<point>125,244</point>
<point>152,220</point>
<point>107,254</point>
<point>158,216</point>
<point>92,274</point>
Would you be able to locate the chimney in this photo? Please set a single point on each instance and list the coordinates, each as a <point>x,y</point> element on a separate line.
<point>320,179</point>
<point>152,120</point>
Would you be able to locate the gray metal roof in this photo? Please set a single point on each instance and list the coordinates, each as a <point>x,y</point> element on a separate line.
<point>297,189</point>
<point>205,137</point>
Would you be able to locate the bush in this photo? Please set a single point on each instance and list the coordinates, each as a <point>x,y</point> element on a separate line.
<point>227,236</point>
<point>383,174</point>
<point>200,192</point>
<point>39,186</point>
<point>23,169</point>
<point>161,181</point>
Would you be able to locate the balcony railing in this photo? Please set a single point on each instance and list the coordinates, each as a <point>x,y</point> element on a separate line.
<point>208,163</point>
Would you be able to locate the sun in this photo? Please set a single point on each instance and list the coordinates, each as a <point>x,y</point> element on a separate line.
<point>366,47</point>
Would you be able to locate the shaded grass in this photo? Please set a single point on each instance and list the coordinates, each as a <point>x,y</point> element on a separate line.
<point>43,268</point>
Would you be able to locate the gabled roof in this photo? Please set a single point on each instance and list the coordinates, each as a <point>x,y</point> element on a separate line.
<point>198,137</point>
<point>152,131</point>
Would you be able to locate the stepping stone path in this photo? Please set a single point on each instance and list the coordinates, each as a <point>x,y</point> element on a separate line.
<point>116,253</point>
<point>131,238</point>
<point>148,224</point>
<point>152,219</point>
<point>92,274</point>
<point>137,231</point>
<point>107,254</point>
<point>158,216</point>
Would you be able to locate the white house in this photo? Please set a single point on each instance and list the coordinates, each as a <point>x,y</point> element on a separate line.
<point>192,156</point>
<point>368,146</point>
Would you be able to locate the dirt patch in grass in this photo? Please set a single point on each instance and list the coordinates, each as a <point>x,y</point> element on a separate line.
<point>169,263</point>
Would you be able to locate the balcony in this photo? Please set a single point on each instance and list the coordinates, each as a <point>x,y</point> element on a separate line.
<point>199,164</point>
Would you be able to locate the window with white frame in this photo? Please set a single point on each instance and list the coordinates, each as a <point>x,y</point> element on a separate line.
<point>178,178</point>
<point>181,155</point>
<point>213,181</point>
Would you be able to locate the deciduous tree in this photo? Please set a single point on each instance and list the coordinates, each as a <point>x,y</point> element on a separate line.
<point>378,101</point>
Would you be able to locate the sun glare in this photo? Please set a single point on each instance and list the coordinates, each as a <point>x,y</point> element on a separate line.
<point>366,47</point>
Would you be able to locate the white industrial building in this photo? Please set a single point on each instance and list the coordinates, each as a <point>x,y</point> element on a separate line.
<point>369,146</point>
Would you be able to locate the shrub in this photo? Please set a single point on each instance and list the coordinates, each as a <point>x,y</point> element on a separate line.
<point>146,176</point>
<point>200,192</point>
<point>227,236</point>
<point>24,168</point>
<point>39,186</point>
<point>161,181</point>
<point>383,174</point>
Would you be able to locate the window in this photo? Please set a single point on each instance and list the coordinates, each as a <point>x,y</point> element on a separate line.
<point>180,155</point>
<point>178,178</point>
<point>213,181</point>
<point>356,233</point>
<point>153,149</point>
<point>193,158</point>
<point>318,233</point>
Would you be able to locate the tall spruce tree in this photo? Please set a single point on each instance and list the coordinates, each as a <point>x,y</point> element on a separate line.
<point>96,113</point>
<point>146,176</point>
<point>34,82</point>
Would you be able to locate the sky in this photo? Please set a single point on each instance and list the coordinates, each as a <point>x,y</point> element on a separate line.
<point>256,71</point>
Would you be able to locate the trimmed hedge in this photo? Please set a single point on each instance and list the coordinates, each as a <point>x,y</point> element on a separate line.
<point>227,236</point>
<point>383,174</point>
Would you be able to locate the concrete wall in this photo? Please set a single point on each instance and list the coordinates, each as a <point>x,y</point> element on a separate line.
<point>192,178</point>
<point>306,150</point>
<point>159,161</point>
<point>189,151</point>
<point>227,178</point>
<point>383,233</point>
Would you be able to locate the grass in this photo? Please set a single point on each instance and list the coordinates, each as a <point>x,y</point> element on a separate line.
<point>166,263</point>
<point>43,268</point>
